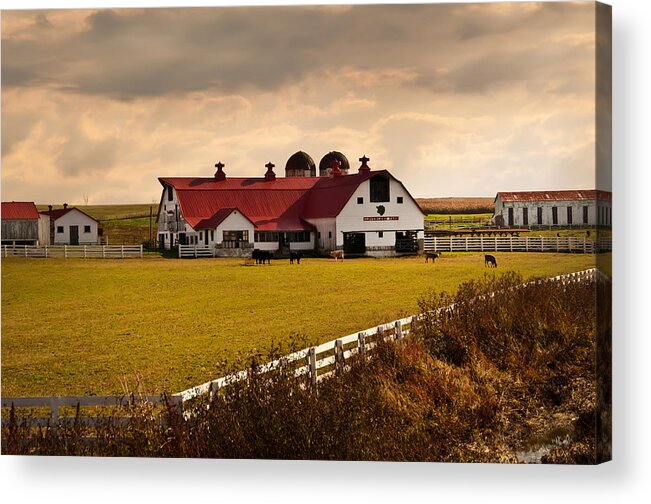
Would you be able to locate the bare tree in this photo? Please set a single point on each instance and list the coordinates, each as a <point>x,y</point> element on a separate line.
<point>86,199</point>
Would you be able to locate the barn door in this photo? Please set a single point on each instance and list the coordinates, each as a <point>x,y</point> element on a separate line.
<point>511,217</point>
<point>354,243</point>
<point>74,235</point>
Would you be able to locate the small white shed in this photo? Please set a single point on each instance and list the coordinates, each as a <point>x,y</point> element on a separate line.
<point>71,226</point>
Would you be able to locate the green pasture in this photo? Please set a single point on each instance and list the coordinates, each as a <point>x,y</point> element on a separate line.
<point>79,327</point>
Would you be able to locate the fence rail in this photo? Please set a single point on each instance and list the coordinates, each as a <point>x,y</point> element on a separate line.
<point>316,363</point>
<point>196,251</point>
<point>54,403</point>
<point>68,251</point>
<point>516,244</point>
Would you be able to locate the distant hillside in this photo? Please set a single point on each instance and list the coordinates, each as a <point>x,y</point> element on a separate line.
<point>456,205</point>
<point>110,212</point>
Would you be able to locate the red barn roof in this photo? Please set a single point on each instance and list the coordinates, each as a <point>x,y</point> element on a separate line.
<point>60,212</point>
<point>279,204</point>
<point>19,210</point>
<point>574,195</point>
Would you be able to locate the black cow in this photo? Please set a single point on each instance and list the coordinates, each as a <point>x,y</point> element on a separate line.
<point>261,256</point>
<point>295,256</point>
<point>431,255</point>
<point>490,260</point>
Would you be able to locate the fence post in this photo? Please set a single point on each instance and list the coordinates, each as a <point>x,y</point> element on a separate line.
<point>84,251</point>
<point>584,244</point>
<point>122,251</point>
<point>398,330</point>
<point>25,250</point>
<point>46,251</point>
<point>361,345</point>
<point>65,251</point>
<point>466,244</point>
<point>195,251</point>
<point>141,251</point>
<point>103,251</point>
<point>54,412</point>
<point>311,362</point>
<point>339,357</point>
<point>481,241</point>
<point>557,246</point>
<point>495,237</point>
<point>511,243</point>
<point>526,244</point>
<point>435,244</point>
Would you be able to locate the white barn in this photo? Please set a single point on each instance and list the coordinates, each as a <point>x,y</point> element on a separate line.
<point>369,212</point>
<point>577,208</point>
<point>71,226</point>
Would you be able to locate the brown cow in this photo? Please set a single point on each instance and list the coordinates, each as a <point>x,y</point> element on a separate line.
<point>431,255</point>
<point>490,260</point>
<point>337,254</point>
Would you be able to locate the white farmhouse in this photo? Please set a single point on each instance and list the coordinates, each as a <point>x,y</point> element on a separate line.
<point>369,212</point>
<point>71,226</point>
<point>525,209</point>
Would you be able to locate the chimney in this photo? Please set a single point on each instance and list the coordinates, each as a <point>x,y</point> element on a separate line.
<point>364,169</point>
<point>219,174</point>
<point>270,175</point>
<point>65,205</point>
<point>49,208</point>
<point>335,171</point>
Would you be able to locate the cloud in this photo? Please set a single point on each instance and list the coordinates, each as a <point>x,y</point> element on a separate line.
<point>455,99</point>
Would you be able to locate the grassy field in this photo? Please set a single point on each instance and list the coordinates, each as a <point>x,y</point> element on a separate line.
<point>75,327</point>
<point>108,212</point>
<point>456,205</point>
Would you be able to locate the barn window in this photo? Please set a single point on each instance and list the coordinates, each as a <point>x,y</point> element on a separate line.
<point>380,234</point>
<point>329,234</point>
<point>380,189</point>
<point>170,193</point>
<point>360,200</point>
<point>59,229</point>
<point>525,216</point>
<point>318,235</point>
<point>212,235</point>
<point>540,210</point>
<point>86,229</point>
<point>400,200</point>
<point>569,215</point>
<point>585,215</point>
<point>235,239</point>
<point>554,215</point>
<point>298,236</point>
<point>265,236</point>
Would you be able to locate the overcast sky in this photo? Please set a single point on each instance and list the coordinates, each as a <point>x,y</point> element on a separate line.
<point>454,100</point>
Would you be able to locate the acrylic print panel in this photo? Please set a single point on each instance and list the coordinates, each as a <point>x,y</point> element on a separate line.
<point>370,232</point>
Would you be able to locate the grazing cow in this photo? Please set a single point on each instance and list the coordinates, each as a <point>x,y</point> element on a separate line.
<point>490,261</point>
<point>588,233</point>
<point>431,255</point>
<point>337,254</point>
<point>261,256</point>
<point>295,255</point>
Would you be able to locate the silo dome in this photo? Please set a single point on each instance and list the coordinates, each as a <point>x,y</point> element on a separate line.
<point>300,164</point>
<point>326,163</point>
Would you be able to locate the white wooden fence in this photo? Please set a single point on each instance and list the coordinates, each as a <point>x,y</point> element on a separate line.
<point>516,244</point>
<point>327,359</point>
<point>53,404</point>
<point>316,363</point>
<point>67,251</point>
<point>196,251</point>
